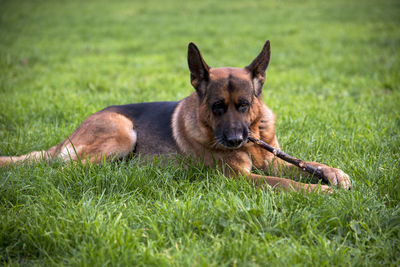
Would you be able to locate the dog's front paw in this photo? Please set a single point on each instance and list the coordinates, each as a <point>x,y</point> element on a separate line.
<point>337,177</point>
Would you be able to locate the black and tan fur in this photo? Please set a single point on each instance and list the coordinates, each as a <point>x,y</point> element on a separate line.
<point>211,125</point>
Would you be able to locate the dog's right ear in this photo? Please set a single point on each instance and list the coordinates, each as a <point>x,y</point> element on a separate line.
<point>199,70</point>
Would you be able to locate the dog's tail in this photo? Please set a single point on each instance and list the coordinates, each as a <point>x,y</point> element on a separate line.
<point>30,157</point>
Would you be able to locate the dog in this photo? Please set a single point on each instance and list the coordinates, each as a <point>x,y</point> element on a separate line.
<point>211,125</point>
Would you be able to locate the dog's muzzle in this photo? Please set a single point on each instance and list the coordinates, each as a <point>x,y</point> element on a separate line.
<point>233,138</point>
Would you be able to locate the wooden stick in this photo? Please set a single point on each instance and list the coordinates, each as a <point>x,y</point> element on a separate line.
<point>295,161</point>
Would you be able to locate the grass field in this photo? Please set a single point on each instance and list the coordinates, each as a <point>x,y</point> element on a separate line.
<point>333,81</point>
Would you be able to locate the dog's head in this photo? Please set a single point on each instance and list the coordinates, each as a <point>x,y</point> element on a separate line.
<point>230,98</point>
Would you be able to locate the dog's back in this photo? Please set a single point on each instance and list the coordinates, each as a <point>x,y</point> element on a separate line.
<point>152,123</point>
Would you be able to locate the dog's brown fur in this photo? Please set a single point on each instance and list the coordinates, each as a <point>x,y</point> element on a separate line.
<point>210,125</point>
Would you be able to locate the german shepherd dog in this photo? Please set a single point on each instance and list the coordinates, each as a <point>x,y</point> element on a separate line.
<point>210,125</point>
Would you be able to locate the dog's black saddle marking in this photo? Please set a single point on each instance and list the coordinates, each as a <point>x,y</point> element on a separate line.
<point>152,122</point>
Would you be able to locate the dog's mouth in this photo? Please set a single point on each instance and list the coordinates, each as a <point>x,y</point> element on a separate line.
<point>229,146</point>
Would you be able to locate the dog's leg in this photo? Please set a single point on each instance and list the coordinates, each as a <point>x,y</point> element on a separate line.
<point>336,176</point>
<point>32,156</point>
<point>102,135</point>
<point>240,164</point>
<point>265,160</point>
<point>270,163</point>
<point>279,183</point>
<point>273,164</point>
<point>286,184</point>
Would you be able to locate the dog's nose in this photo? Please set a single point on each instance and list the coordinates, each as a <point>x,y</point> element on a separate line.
<point>234,141</point>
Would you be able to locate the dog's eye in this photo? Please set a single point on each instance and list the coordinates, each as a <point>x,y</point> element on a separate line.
<point>243,106</point>
<point>218,108</point>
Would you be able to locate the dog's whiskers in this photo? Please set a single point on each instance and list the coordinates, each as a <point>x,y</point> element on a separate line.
<point>214,143</point>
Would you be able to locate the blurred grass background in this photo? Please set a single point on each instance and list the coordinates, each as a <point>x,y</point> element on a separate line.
<point>333,82</point>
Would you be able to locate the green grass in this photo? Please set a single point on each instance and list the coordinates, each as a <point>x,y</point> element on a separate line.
<point>333,81</point>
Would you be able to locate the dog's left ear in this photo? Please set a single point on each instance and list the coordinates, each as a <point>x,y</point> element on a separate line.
<point>199,70</point>
<point>258,67</point>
